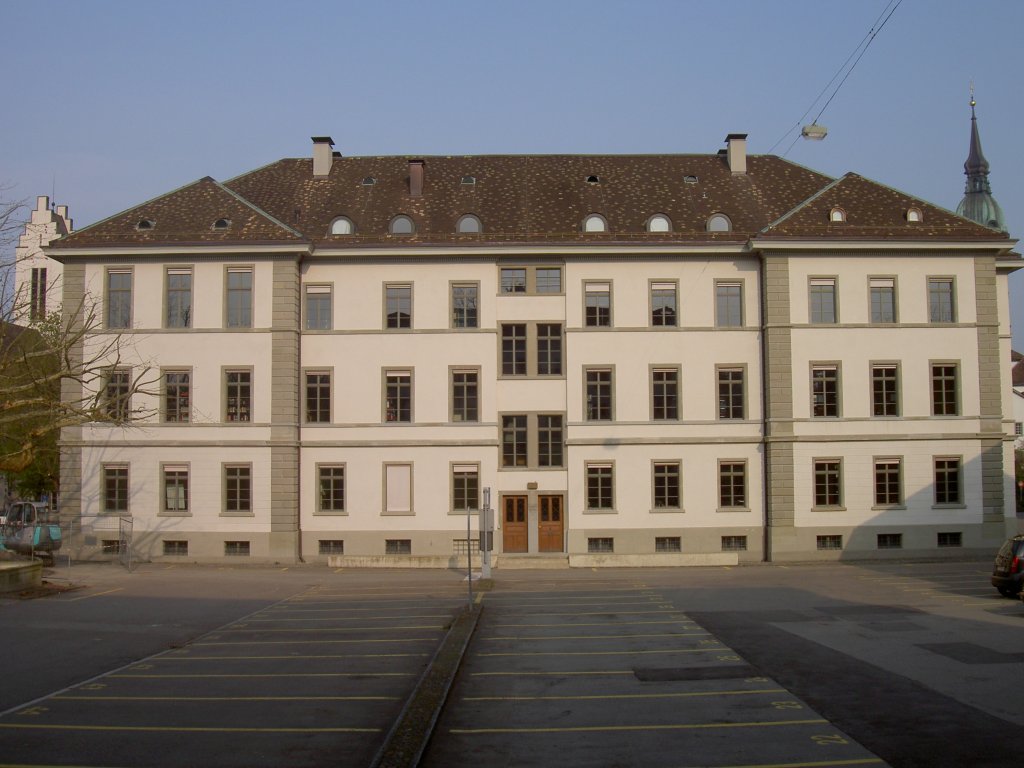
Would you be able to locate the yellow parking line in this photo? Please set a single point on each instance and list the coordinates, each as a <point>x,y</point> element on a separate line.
<point>223,698</point>
<point>95,594</point>
<point>178,729</point>
<point>652,727</point>
<point>599,637</point>
<point>624,652</point>
<point>687,695</point>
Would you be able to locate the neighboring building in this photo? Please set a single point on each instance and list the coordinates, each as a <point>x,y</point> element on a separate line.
<point>1017,377</point>
<point>648,359</point>
<point>37,276</point>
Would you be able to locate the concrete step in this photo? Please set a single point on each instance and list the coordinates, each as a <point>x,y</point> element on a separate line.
<point>547,560</point>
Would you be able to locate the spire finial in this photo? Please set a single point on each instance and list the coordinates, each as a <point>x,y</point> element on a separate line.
<point>973,102</point>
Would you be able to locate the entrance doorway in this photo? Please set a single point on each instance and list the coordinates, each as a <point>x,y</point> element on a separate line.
<point>514,536</point>
<point>550,525</point>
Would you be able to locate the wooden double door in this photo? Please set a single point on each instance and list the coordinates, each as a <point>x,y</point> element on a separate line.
<point>516,522</point>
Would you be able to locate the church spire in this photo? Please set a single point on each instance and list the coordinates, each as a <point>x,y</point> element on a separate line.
<point>978,204</point>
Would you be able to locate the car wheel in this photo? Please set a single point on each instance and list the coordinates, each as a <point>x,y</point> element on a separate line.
<point>1006,592</point>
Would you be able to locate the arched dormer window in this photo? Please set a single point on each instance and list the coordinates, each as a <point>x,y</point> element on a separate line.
<point>145,224</point>
<point>914,215</point>
<point>719,222</point>
<point>469,225</point>
<point>659,222</point>
<point>837,216</point>
<point>221,224</point>
<point>402,225</point>
<point>342,226</point>
<point>595,222</point>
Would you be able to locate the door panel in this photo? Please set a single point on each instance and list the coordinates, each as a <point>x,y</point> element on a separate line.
<point>549,520</point>
<point>514,537</point>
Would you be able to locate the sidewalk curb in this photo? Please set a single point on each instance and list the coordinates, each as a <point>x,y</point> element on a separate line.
<point>408,737</point>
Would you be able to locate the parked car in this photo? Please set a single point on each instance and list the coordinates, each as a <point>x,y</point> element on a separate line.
<point>1008,571</point>
<point>31,528</point>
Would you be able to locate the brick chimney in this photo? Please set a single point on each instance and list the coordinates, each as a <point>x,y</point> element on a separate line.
<point>323,156</point>
<point>736,152</point>
<point>416,178</point>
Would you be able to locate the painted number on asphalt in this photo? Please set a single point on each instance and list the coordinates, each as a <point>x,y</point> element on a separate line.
<point>34,711</point>
<point>787,705</point>
<point>729,658</point>
<point>825,741</point>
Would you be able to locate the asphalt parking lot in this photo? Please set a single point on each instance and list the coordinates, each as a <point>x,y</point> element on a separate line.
<point>917,664</point>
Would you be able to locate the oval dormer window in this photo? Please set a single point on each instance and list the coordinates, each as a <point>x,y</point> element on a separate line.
<point>145,224</point>
<point>402,225</point>
<point>222,224</point>
<point>595,223</point>
<point>369,181</point>
<point>837,216</point>
<point>469,225</point>
<point>914,215</point>
<point>719,222</point>
<point>659,222</point>
<point>593,179</point>
<point>342,226</point>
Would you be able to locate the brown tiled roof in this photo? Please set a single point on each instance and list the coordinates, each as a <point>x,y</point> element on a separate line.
<point>874,211</point>
<point>535,199</point>
<point>185,216</point>
<point>1017,372</point>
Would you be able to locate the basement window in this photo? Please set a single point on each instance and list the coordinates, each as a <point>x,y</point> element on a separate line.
<point>668,544</point>
<point>236,548</point>
<point>176,549</point>
<point>398,546</point>
<point>145,224</point>
<point>332,546</point>
<point>830,541</point>
<point>890,541</point>
<point>734,543</point>
<point>111,546</point>
<point>601,544</point>
<point>950,539</point>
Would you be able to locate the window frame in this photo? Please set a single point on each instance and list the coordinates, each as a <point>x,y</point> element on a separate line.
<point>310,290</point>
<point>185,322</point>
<point>875,381</point>
<point>727,469</point>
<point>946,405</point>
<point>593,288</point>
<point>177,468</point>
<point>662,286</point>
<point>544,453</point>
<point>827,483</point>
<point>711,224</point>
<point>935,280</point>
<point>398,319</point>
<point>453,410</point>
<point>940,497</point>
<point>601,221</point>
<point>409,389</point>
<point>603,473</point>
<point>179,409</point>
<point>339,220</point>
<point>455,309</point>
<point>550,350</point>
<point>241,321</point>
<point>457,469</point>
<point>243,490</point>
<point>595,414</point>
<point>731,368</point>
<point>727,303</point>
<point>509,283</point>
<point>125,298</point>
<point>887,490</point>
<point>116,477</point>
<point>514,350</point>
<point>226,373</point>
<point>401,219</point>
<point>519,455</point>
<point>658,480</point>
<point>386,508</point>
<point>306,412</point>
<point>117,404</point>
<point>334,509</point>
<point>837,406</point>
<point>649,224</point>
<point>469,217</point>
<point>893,289</point>
<point>814,309</point>
<point>671,413</point>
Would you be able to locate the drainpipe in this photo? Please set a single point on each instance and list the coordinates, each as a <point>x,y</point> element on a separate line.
<point>767,543</point>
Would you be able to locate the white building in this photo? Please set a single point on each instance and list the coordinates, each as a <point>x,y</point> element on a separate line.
<point>649,359</point>
<point>37,276</point>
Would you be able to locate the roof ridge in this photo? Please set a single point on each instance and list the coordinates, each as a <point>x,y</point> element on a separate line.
<point>799,206</point>
<point>259,210</point>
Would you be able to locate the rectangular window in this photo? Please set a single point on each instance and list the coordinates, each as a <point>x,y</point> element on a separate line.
<point>237,489</point>
<point>236,548</point>
<point>822,300</point>
<point>117,394</point>
<point>239,298</point>
<point>549,279</point>
<point>941,300</point>
<point>331,547</point>
<point>600,487</point>
<point>668,544</point>
<point>119,298</point>
<point>398,489</point>
<point>318,308</point>
<point>37,297</point>
<point>949,539</point>
<point>883,299</point>
<point>513,441</point>
<point>238,395</point>
<point>831,541</point>
<point>549,349</point>
<point>115,488</point>
<point>177,396</point>
<point>465,305</point>
<point>513,280</point>
<point>175,549</point>
<point>397,546</point>
<point>331,483</point>
<point>599,395</point>
<point>827,483</point>
<point>465,396</point>
<point>947,481</point>
<point>513,349</point>
<point>885,392</point>
<point>1018,428</point>
<point>732,484</point>
<point>944,389</point>
<point>179,298</point>
<point>825,391</point>
<point>318,397</point>
<point>549,440</point>
<point>175,488</point>
<point>398,396</point>
<point>888,482</point>
<point>734,543</point>
<point>663,304</point>
<point>730,393</point>
<point>728,305</point>
<point>110,546</point>
<point>665,394</point>
<point>465,487</point>
<point>666,485</point>
<point>398,306</point>
<point>600,544</point>
<point>890,541</point>
<point>597,305</point>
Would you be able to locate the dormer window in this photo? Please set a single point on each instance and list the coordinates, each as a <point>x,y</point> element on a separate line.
<point>719,222</point>
<point>402,225</point>
<point>837,216</point>
<point>221,224</point>
<point>469,225</point>
<point>342,226</point>
<point>593,179</point>
<point>659,223</point>
<point>468,180</point>
<point>595,223</point>
<point>914,215</point>
<point>689,179</point>
<point>369,181</point>
<point>145,224</point>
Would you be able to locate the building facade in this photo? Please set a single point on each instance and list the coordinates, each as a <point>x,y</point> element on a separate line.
<point>647,359</point>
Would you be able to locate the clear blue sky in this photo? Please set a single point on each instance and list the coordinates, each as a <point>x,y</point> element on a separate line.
<point>112,103</point>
